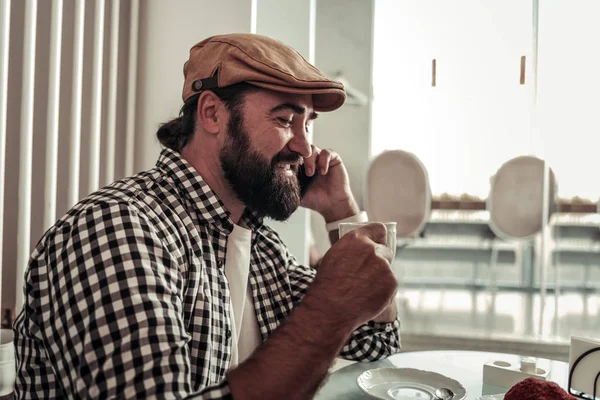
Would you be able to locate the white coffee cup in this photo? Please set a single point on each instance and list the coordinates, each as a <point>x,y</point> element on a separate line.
<point>7,362</point>
<point>390,227</point>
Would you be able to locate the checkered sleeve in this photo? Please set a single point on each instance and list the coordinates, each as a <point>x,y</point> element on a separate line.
<point>369,342</point>
<point>112,311</point>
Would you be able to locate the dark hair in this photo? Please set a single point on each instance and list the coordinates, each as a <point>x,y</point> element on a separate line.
<point>176,133</point>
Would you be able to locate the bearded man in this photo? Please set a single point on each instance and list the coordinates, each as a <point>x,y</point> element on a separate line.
<point>168,285</point>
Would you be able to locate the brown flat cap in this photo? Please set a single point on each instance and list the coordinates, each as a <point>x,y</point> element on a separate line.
<point>224,60</point>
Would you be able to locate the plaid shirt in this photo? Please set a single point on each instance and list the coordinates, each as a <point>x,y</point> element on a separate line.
<point>126,295</point>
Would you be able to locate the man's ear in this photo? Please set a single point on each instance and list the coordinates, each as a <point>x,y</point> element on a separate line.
<point>209,112</point>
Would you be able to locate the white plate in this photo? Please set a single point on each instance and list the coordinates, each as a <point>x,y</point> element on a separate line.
<point>407,384</point>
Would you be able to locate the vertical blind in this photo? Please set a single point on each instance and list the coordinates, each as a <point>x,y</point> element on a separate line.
<point>67,115</point>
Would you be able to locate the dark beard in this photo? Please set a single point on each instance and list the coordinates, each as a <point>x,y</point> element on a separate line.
<point>256,182</point>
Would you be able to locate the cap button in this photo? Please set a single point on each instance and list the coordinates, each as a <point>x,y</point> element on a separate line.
<point>197,85</point>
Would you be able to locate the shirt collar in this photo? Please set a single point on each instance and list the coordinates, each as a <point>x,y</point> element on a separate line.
<point>206,203</point>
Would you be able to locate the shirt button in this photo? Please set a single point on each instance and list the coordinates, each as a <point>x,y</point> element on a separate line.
<point>220,263</point>
<point>228,333</point>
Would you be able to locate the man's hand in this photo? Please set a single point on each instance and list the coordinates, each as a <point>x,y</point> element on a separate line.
<point>330,193</point>
<point>354,283</point>
<point>390,313</point>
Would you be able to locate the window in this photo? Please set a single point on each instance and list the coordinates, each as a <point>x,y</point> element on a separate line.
<point>479,115</point>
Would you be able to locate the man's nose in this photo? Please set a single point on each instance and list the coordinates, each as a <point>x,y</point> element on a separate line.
<point>299,143</point>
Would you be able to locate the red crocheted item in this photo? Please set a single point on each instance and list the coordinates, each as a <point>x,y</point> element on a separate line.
<point>537,389</point>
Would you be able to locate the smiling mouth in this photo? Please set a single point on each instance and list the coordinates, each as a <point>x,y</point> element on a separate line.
<point>289,169</point>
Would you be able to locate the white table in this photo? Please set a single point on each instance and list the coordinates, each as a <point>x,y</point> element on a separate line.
<point>463,366</point>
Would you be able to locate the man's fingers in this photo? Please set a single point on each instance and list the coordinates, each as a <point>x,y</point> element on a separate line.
<point>320,161</point>
<point>324,160</point>
<point>310,163</point>
<point>376,231</point>
<point>385,252</point>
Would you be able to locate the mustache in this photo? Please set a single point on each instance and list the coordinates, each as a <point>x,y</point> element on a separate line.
<point>288,157</point>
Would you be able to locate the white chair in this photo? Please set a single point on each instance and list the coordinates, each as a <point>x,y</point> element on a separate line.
<point>397,189</point>
<point>516,207</point>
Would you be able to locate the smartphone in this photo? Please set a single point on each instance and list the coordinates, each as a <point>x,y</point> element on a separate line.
<point>305,180</point>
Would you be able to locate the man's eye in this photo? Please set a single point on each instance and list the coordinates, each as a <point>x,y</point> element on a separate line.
<point>285,122</point>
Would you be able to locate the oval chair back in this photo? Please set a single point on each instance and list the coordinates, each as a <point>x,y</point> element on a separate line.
<point>398,190</point>
<point>516,201</point>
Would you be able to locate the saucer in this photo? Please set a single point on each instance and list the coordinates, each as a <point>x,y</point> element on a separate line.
<point>407,384</point>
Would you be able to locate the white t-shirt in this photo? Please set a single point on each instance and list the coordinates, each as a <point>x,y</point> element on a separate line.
<point>245,332</point>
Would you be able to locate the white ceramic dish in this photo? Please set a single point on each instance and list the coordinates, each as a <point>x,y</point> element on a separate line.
<point>407,384</point>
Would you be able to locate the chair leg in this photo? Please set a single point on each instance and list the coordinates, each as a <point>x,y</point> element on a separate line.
<point>555,262</point>
<point>493,286</point>
<point>492,277</point>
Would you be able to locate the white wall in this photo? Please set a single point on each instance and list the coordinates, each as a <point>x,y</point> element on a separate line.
<point>568,101</point>
<point>292,22</point>
<point>168,29</point>
<point>344,42</point>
